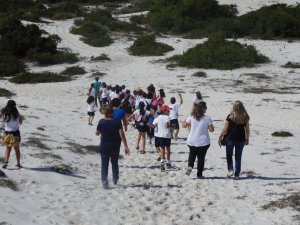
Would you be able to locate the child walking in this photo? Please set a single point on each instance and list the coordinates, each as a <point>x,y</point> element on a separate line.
<point>91,109</point>
<point>162,124</point>
<point>11,138</point>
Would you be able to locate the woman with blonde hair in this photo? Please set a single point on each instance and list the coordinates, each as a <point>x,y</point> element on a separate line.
<point>236,133</point>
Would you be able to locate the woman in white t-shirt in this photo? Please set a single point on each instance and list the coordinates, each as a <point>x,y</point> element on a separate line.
<point>198,139</point>
<point>11,137</point>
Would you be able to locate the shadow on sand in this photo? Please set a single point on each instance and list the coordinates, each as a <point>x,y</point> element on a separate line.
<point>50,169</point>
<point>253,177</point>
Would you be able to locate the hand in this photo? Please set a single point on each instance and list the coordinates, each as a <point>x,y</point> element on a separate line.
<point>247,142</point>
<point>127,151</point>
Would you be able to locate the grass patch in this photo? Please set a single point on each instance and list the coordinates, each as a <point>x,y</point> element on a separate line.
<point>62,169</point>
<point>46,58</point>
<point>33,78</point>
<point>200,74</point>
<point>5,93</point>
<point>7,183</point>
<point>63,10</point>
<point>37,143</point>
<point>292,65</point>
<point>260,90</point>
<point>46,155</point>
<point>282,134</point>
<point>10,65</point>
<point>218,53</point>
<point>145,45</point>
<point>73,70</point>
<point>292,201</point>
<point>83,149</point>
<point>102,57</point>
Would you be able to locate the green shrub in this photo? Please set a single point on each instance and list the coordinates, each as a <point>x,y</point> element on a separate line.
<point>200,74</point>
<point>46,58</point>
<point>5,93</point>
<point>137,6</point>
<point>139,19</point>
<point>10,65</point>
<point>97,74</point>
<point>145,45</point>
<point>73,70</point>
<point>282,134</point>
<point>102,57</point>
<point>219,53</point>
<point>45,77</point>
<point>63,10</point>
<point>292,65</point>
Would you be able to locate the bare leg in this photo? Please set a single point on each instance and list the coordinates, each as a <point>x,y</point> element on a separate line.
<point>138,140</point>
<point>92,119</point>
<point>176,134</point>
<point>18,154</point>
<point>168,153</point>
<point>143,135</point>
<point>7,153</point>
<point>163,153</point>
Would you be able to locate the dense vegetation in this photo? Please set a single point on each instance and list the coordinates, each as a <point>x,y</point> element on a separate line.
<point>200,18</point>
<point>96,25</point>
<point>73,70</point>
<point>219,53</point>
<point>146,45</point>
<point>19,42</point>
<point>32,78</point>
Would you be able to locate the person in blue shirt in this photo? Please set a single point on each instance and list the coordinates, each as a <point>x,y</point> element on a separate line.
<point>118,114</point>
<point>112,135</point>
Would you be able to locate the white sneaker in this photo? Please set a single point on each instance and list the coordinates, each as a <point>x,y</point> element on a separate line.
<point>230,173</point>
<point>188,171</point>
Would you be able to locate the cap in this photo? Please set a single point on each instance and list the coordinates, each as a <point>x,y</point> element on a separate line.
<point>165,108</point>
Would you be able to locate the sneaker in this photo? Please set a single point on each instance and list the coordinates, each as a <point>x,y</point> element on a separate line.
<point>168,164</point>
<point>162,167</point>
<point>105,185</point>
<point>4,166</point>
<point>188,171</point>
<point>115,182</point>
<point>230,173</point>
<point>236,178</point>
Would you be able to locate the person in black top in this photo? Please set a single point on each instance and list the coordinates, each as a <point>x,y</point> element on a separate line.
<point>112,134</point>
<point>237,131</point>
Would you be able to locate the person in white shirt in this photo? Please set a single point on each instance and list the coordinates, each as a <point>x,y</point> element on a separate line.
<point>11,137</point>
<point>113,94</point>
<point>103,93</point>
<point>174,116</point>
<point>162,124</point>
<point>198,98</point>
<point>91,109</point>
<point>198,139</point>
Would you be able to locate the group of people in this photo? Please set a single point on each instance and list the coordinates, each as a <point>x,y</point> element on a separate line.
<point>149,114</point>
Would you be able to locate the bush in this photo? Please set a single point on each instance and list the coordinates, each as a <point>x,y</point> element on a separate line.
<point>145,45</point>
<point>32,78</point>
<point>73,70</point>
<point>219,53</point>
<point>200,74</point>
<point>63,10</point>
<point>5,93</point>
<point>47,58</point>
<point>102,57</point>
<point>282,134</point>
<point>292,65</point>
<point>10,65</point>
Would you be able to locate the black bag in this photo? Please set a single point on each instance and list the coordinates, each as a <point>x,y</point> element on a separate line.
<point>224,140</point>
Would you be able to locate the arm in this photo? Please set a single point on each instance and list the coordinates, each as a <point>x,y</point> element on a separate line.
<point>211,128</point>
<point>181,100</point>
<point>224,131</point>
<point>123,138</point>
<point>21,118</point>
<point>185,124</point>
<point>129,118</point>
<point>98,133</point>
<point>124,123</point>
<point>247,133</point>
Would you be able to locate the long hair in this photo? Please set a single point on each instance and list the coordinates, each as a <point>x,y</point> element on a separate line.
<point>199,110</point>
<point>90,99</point>
<point>10,111</point>
<point>198,95</point>
<point>238,113</point>
<point>107,111</point>
<point>142,108</point>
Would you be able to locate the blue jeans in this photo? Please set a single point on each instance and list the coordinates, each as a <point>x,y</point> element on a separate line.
<point>109,152</point>
<point>239,146</point>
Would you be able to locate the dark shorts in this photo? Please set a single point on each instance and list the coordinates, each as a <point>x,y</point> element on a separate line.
<point>174,124</point>
<point>156,141</point>
<point>164,142</point>
<point>104,101</point>
<point>91,113</point>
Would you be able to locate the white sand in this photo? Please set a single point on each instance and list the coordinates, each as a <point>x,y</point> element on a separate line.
<point>145,195</point>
